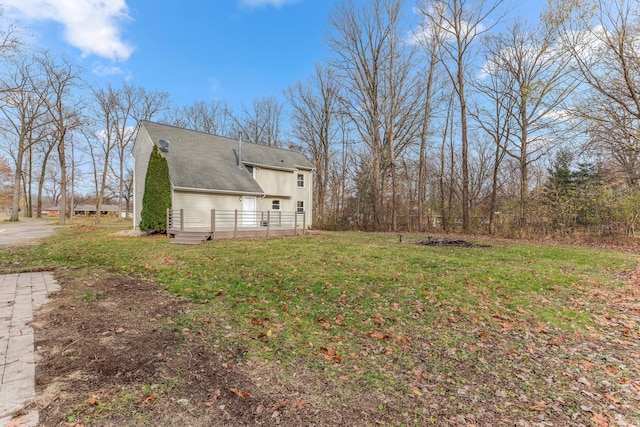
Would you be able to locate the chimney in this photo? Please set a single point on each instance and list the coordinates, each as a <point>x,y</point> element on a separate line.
<point>240,151</point>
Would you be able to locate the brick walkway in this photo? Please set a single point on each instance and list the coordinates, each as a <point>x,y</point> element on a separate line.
<point>20,295</point>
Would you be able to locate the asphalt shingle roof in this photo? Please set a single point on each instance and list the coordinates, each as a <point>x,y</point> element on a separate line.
<point>202,161</point>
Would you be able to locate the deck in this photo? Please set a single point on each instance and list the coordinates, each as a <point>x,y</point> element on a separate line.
<point>233,225</point>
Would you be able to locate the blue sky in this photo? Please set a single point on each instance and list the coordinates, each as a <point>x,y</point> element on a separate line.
<point>232,50</point>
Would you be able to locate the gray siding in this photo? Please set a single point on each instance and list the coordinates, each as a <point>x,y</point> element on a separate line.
<point>197,207</point>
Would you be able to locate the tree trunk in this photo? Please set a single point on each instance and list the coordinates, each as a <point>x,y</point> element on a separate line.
<point>15,207</point>
<point>63,178</point>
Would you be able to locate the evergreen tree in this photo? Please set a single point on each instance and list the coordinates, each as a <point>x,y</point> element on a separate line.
<point>157,194</point>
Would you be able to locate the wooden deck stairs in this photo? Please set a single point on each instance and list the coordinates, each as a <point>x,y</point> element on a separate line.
<point>190,237</point>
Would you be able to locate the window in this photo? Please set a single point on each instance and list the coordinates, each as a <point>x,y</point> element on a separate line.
<point>275,205</point>
<point>251,170</point>
<point>300,209</point>
<point>301,180</point>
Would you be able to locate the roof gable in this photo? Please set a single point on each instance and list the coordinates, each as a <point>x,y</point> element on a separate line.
<point>203,161</point>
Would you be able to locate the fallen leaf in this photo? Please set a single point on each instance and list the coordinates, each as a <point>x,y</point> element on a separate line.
<point>118,330</point>
<point>611,370</point>
<point>539,406</point>
<point>378,319</point>
<point>147,400</point>
<point>93,400</point>
<point>298,404</point>
<point>242,394</point>
<point>612,398</point>
<point>16,422</point>
<point>600,420</point>
<point>587,366</point>
<point>415,390</point>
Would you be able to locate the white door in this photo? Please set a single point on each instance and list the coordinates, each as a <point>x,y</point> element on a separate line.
<point>249,212</point>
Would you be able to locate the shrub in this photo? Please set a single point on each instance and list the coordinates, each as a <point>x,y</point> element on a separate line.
<point>157,194</point>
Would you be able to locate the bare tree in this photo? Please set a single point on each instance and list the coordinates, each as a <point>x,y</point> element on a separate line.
<point>315,114</point>
<point>446,184</point>
<point>210,117</point>
<point>378,92</point>
<point>262,124</point>
<point>106,122</point>
<point>536,83</point>
<point>493,112</point>
<point>430,38</point>
<point>461,22</point>
<point>132,105</point>
<point>23,112</point>
<point>61,78</point>
<point>45,148</point>
<point>603,38</point>
<point>114,116</point>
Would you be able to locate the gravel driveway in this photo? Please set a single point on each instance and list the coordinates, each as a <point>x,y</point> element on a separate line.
<point>24,231</point>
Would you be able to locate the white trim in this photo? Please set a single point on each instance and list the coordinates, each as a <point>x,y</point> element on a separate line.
<point>276,168</point>
<point>305,168</point>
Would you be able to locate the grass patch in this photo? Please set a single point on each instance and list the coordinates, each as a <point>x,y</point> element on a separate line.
<point>364,311</point>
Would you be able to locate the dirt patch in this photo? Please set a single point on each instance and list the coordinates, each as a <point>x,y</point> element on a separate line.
<point>120,351</point>
<point>114,351</point>
<point>431,241</point>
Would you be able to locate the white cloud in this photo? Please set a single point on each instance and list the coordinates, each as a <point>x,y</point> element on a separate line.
<point>90,25</point>
<point>442,28</point>
<point>263,3</point>
<point>106,70</point>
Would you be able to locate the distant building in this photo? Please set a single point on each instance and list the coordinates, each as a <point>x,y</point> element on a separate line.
<point>86,210</point>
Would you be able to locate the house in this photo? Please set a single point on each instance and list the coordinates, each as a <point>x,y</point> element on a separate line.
<point>213,172</point>
<point>86,210</point>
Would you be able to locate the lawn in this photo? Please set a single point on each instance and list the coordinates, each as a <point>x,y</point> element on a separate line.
<point>364,328</point>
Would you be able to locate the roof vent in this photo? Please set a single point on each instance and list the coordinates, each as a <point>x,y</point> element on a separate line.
<point>164,145</point>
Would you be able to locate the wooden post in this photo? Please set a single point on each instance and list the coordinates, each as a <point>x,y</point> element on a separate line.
<point>295,223</point>
<point>235,225</point>
<point>181,219</point>
<point>268,222</point>
<point>213,224</point>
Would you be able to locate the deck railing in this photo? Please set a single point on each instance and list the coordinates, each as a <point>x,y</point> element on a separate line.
<point>236,221</point>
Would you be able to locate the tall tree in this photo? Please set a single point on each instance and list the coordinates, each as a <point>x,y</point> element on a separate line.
<point>493,113</point>
<point>261,124</point>
<point>115,113</point>
<point>374,68</point>
<point>106,124</point>
<point>603,38</point>
<point>534,85</point>
<point>210,117</point>
<point>132,105</point>
<point>23,112</point>
<point>461,22</point>
<point>430,38</point>
<point>61,79</point>
<point>315,115</point>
